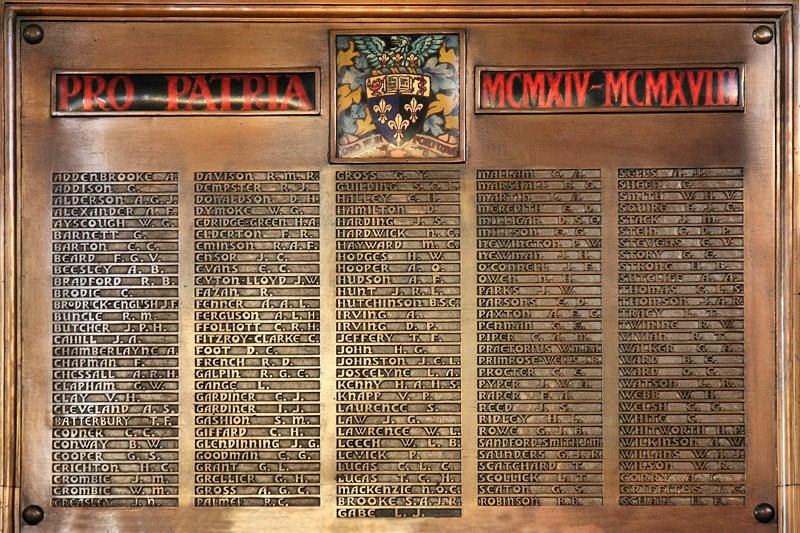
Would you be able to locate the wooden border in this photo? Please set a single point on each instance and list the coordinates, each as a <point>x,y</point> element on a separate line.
<point>783,15</point>
<point>9,400</point>
<point>788,311</point>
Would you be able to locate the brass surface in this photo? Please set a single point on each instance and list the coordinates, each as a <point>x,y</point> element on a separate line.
<point>581,324</point>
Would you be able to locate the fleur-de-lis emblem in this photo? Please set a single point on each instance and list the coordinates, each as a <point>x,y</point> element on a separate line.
<point>413,107</point>
<point>398,124</point>
<point>412,59</point>
<point>382,108</point>
<point>383,59</point>
<point>398,59</point>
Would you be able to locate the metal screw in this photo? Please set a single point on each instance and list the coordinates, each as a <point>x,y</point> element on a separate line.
<point>33,514</point>
<point>763,35</point>
<point>764,513</point>
<point>33,34</point>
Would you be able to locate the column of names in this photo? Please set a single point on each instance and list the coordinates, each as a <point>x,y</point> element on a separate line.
<point>257,349</point>
<point>681,336</point>
<point>115,339</point>
<point>398,362</point>
<point>539,361</point>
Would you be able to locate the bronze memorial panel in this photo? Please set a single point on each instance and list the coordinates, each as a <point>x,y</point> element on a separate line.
<point>363,268</point>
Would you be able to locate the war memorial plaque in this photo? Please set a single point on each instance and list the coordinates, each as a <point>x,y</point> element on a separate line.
<point>441,268</point>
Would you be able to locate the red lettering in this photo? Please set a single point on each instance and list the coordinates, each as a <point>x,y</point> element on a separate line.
<point>127,102</point>
<point>616,89</point>
<point>177,86</point>
<point>581,86</point>
<point>493,90</point>
<point>68,86</point>
<point>225,90</point>
<point>516,104</point>
<point>252,88</point>
<point>676,77</point>
<point>710,88</point>
<point>554,95</point>
<point>720,88</point>
<point>732,86</point>
<point>296,92</point>
<point>567,96</point>
<point>695,80</point>
<point>642,88</point>
<point>533,89</point>
<point>655,88</point>
<point>92,101</point>
<point>632,89</point>
<point>202,92</point>
<point>273,98</point>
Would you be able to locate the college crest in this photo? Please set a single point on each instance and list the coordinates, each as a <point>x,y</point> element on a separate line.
<point>398,97</point>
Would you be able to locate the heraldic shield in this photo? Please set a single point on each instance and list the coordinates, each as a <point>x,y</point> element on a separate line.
<point>398,96</point>
<point>398,104</point>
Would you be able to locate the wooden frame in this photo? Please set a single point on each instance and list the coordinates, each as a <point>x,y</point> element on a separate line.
<point>783,16</point>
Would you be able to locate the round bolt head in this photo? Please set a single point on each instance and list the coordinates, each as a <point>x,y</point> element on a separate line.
<point>764,513</point>
<point>763,35</point>
<point>33,34</point>
<point>33,514</point>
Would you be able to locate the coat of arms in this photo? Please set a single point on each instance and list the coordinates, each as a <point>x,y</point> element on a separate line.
<point>397,97</point>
